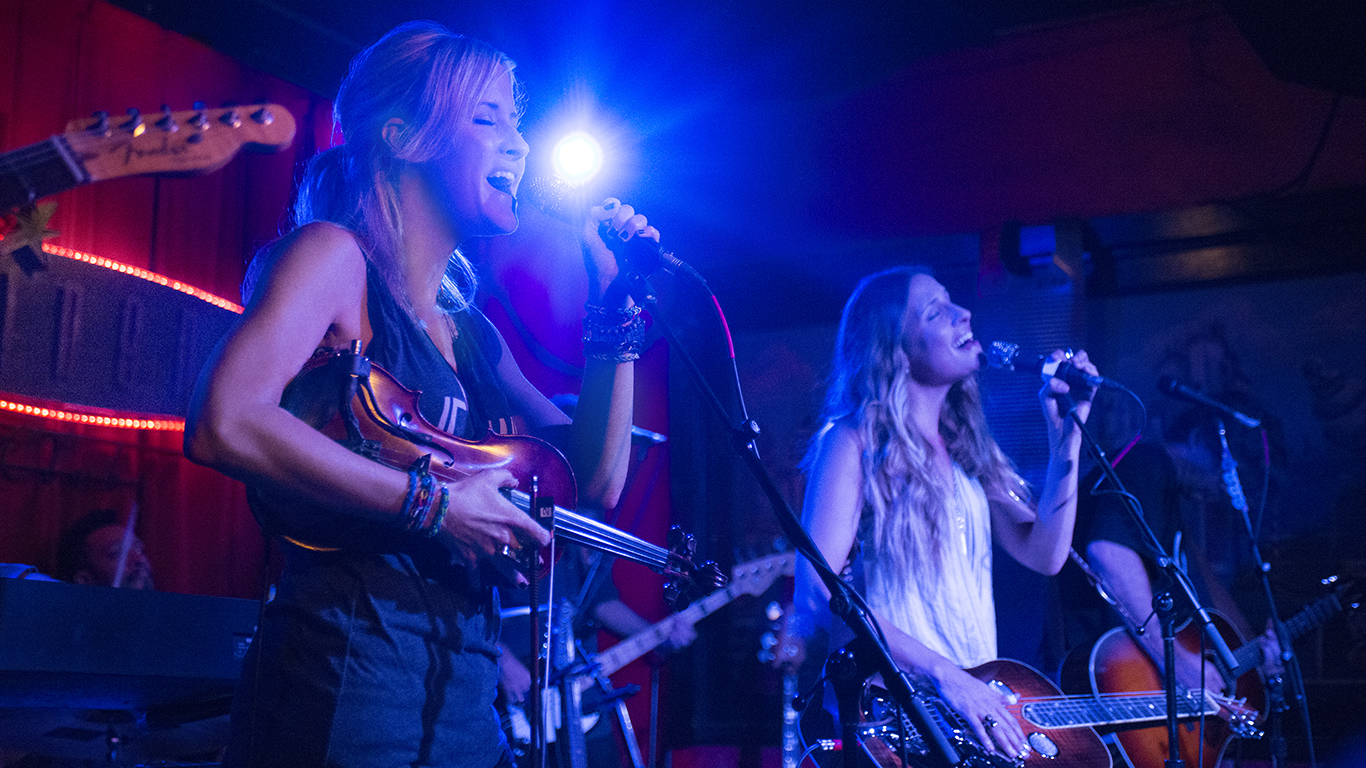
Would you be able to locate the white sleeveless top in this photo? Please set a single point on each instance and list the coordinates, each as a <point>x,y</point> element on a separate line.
<point>954,615</point>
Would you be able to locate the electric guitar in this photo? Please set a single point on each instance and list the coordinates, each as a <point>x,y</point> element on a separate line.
<point>1117,665</point>
<point>1060,729</point>
<point>103,147</point>
<point>751,578</point>
<point>574,752</point>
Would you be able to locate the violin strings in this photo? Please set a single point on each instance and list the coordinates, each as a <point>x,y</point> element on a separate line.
<point>630,546</point>
<point>572,526</point>
<point>582,530</point>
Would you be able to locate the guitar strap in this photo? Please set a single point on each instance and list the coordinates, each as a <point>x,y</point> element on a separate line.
<point>1098,582</point>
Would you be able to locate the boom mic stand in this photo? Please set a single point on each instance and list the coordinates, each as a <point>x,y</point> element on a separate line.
<point>1165,602</point>
<point>868,653</point>
<point>1276,703</point>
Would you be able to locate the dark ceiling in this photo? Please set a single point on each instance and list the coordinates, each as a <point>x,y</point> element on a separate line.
<point>710,105</point>
<point>780,48</point>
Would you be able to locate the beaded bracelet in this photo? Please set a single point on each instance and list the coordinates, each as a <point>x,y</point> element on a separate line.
<point>417,504</point>
<point>613,335</point>
<point>434,527</point>
<point>414,483</point>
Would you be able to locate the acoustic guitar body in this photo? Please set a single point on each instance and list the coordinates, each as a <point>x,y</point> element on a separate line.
<point>1117,664</point>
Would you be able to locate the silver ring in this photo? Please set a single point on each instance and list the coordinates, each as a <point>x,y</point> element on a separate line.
<point>989,721</point>
<point>1067,353</point>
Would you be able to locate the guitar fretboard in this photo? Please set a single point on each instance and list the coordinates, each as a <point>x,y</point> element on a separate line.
<point>1080,711</point>
<point>642,642</point>
<point>38,170</point>
<point>1249,656</point>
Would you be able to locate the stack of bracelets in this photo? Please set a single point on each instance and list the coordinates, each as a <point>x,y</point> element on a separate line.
<point>613,335</point>
<point>425,505</point>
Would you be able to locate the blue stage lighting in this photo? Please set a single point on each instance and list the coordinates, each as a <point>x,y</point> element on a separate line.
<point>578,158</point>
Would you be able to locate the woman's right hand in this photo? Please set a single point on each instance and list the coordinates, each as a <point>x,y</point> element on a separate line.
<point>985,710</point>
<point>480,521</point>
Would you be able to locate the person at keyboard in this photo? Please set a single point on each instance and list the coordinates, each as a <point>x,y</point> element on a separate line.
<point>99,550</point>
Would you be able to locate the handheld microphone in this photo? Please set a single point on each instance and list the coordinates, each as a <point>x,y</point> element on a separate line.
<point>557,199</point>
<point>1003,356</point>
<point>1173,388</point>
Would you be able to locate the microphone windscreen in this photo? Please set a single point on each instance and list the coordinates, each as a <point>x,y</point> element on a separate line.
<point>552,195</point>
<point>1001,355</point>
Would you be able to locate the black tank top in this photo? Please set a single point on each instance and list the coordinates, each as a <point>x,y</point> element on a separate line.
<point>466,404</point>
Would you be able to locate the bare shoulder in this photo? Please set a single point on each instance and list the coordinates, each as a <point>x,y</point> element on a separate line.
<point>318,272</point>
<point>836,460</point>
<point>839,441</point>
<point>319,249</point>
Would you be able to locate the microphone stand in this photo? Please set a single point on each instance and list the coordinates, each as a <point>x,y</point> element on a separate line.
<point>1165,601</point>
<point>1276,703</point>
<point>868,652</point>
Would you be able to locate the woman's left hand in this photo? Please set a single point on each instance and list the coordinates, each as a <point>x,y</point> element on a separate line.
<point>621,222</point>
<point>1057,396</point>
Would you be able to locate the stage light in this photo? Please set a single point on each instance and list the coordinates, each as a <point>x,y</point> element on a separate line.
<point>578,158</point>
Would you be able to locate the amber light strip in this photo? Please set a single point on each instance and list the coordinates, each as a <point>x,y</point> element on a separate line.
<point>151,277</point>
<point>124,422</point>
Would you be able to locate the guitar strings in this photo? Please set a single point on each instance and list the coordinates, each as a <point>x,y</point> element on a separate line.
<point>34,156</point>
<point>44,147</point>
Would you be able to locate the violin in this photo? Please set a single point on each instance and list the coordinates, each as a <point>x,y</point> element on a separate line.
<point>363,407</point>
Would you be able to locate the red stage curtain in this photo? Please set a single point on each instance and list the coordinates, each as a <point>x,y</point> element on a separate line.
<point>65,59</point>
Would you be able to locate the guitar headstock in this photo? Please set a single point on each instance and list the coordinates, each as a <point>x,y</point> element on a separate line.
<point>756,576</point>
<point>183,143</point>
<point>1348,590</point>
<point>1241,718</point>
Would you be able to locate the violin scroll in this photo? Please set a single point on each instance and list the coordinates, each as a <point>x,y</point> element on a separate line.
<point>684,575</point>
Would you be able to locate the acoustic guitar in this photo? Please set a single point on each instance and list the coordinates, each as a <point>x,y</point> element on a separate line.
<point>1118,666</point>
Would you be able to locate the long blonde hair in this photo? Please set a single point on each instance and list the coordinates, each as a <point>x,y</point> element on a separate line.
<point>430,78</point>
<point>868,388</point>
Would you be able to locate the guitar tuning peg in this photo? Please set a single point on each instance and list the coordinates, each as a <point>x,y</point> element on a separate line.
<point>774,611</point>
<point>201,118</point>
<point>101,126</point>
<point>232,118</point>
<point>263,116</point>
<point>134,124</point>
<point>167,123</point>
<point>681,542</point>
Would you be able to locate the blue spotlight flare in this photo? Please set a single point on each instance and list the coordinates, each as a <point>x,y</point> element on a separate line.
<point>578,158</point>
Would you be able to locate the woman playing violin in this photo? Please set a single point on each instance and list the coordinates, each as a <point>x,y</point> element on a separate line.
<point>383,653</point>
